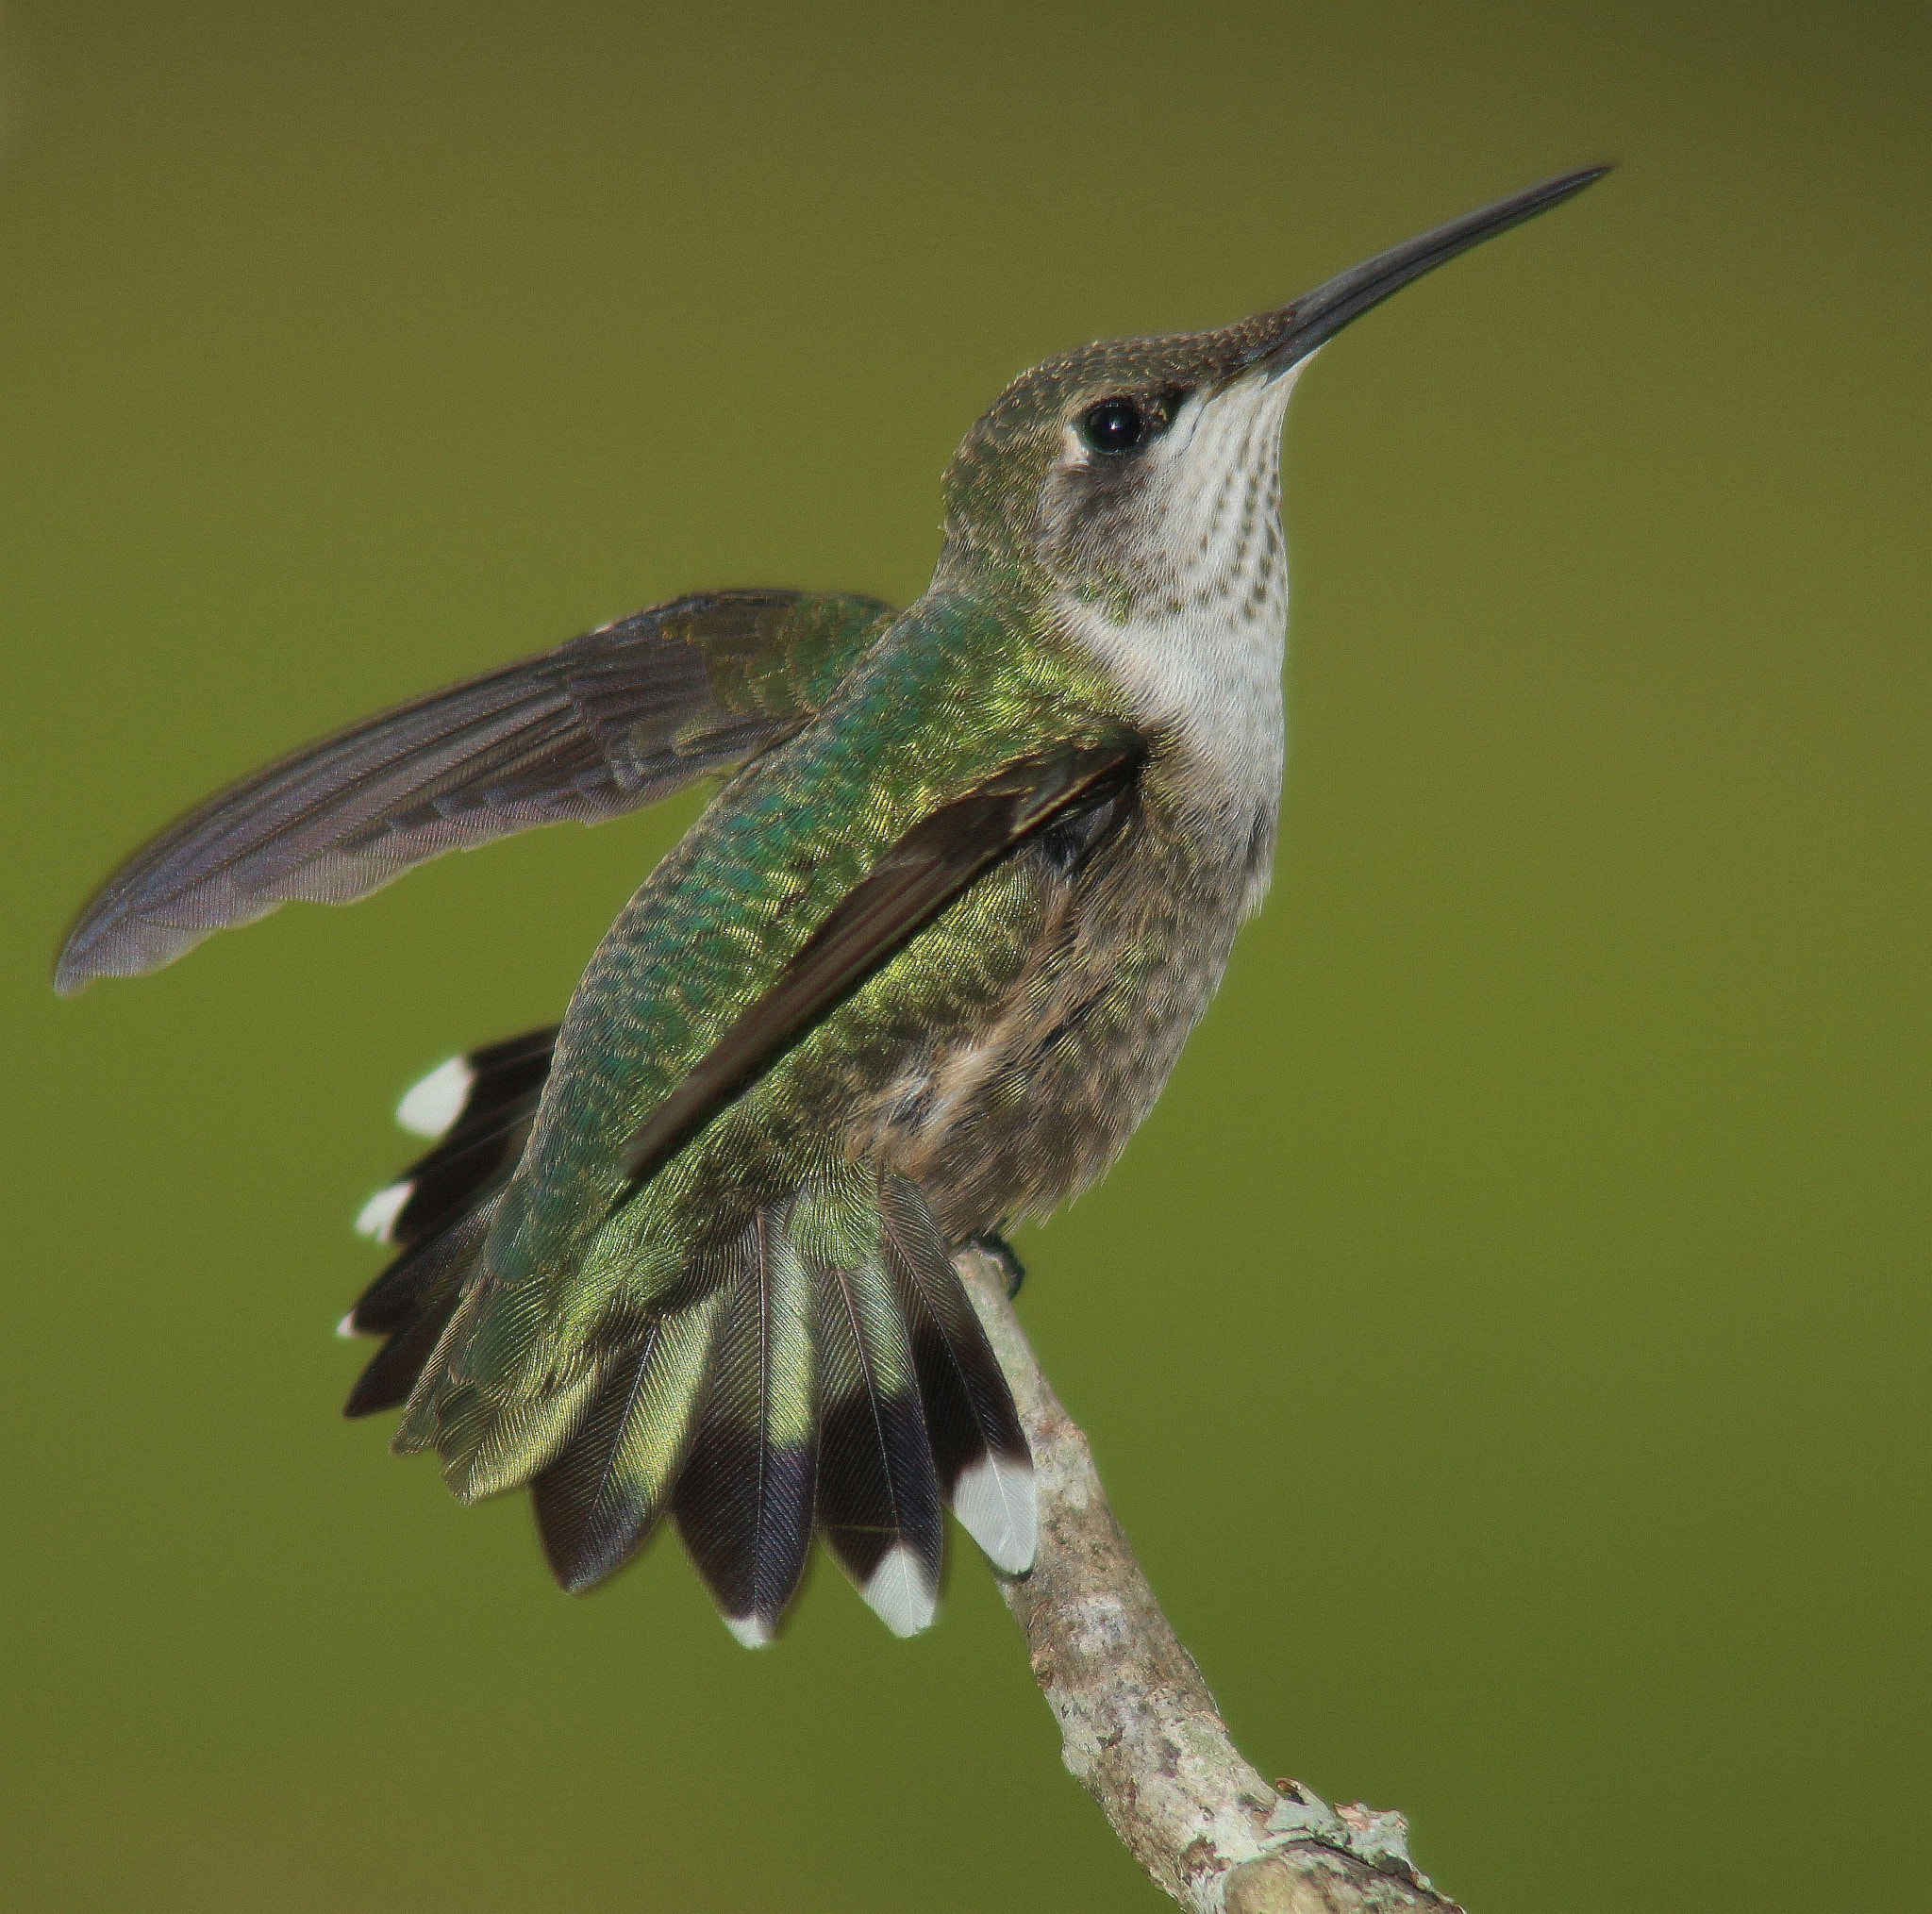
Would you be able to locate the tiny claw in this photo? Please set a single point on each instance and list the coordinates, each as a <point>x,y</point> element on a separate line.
<point>998,1250</point>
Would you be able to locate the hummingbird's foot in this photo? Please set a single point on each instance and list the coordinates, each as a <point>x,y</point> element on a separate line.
<point>993,1245</point>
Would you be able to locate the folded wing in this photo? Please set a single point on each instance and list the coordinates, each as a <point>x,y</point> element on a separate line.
<point>601,725</point>
<point>916,878</point>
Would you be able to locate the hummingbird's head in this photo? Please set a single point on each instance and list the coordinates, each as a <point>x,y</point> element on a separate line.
<point>1138,479</point>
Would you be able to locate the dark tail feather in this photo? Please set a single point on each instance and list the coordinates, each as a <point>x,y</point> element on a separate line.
<point>878,1499</point>
<point>411,1303</point>
<point>602,1497</point>
<point>479,1107</point>
<point>978,1448</point>
<point>744,1500</point>
<point>386,1383</point>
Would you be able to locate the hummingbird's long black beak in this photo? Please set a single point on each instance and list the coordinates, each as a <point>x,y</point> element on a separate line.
<point>1289,336</point>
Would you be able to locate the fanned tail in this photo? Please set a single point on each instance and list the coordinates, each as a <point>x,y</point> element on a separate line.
<point>816,1367</point>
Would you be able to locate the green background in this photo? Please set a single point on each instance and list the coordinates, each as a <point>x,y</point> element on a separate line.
<point>1507,1341</point>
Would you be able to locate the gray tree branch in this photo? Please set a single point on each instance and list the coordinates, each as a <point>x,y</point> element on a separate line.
<point>1139,1729</point>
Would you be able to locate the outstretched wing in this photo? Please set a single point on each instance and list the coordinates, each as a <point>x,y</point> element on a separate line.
<point>1076,788</point>
<point>601,725</point>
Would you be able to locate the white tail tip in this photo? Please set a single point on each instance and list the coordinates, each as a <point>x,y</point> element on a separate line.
<point>749,1631</point>
<point>899,1595</point>
<point>432,1106</point>
<point>346,1327</point>
<point>378,1215</point>
<point>993,1499</point>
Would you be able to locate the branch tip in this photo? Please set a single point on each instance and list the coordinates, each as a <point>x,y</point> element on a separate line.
<point>1139,1729</point>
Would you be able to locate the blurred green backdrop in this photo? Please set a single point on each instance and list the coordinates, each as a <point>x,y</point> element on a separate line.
<point>1506,1344</point>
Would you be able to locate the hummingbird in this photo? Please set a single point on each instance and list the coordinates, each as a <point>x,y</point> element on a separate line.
<point>971,876</point>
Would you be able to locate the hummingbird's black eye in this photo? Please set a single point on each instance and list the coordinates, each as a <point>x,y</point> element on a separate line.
<point>1113,425</point>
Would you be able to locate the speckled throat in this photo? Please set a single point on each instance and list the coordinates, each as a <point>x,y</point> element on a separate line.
<point>1187,606</point>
